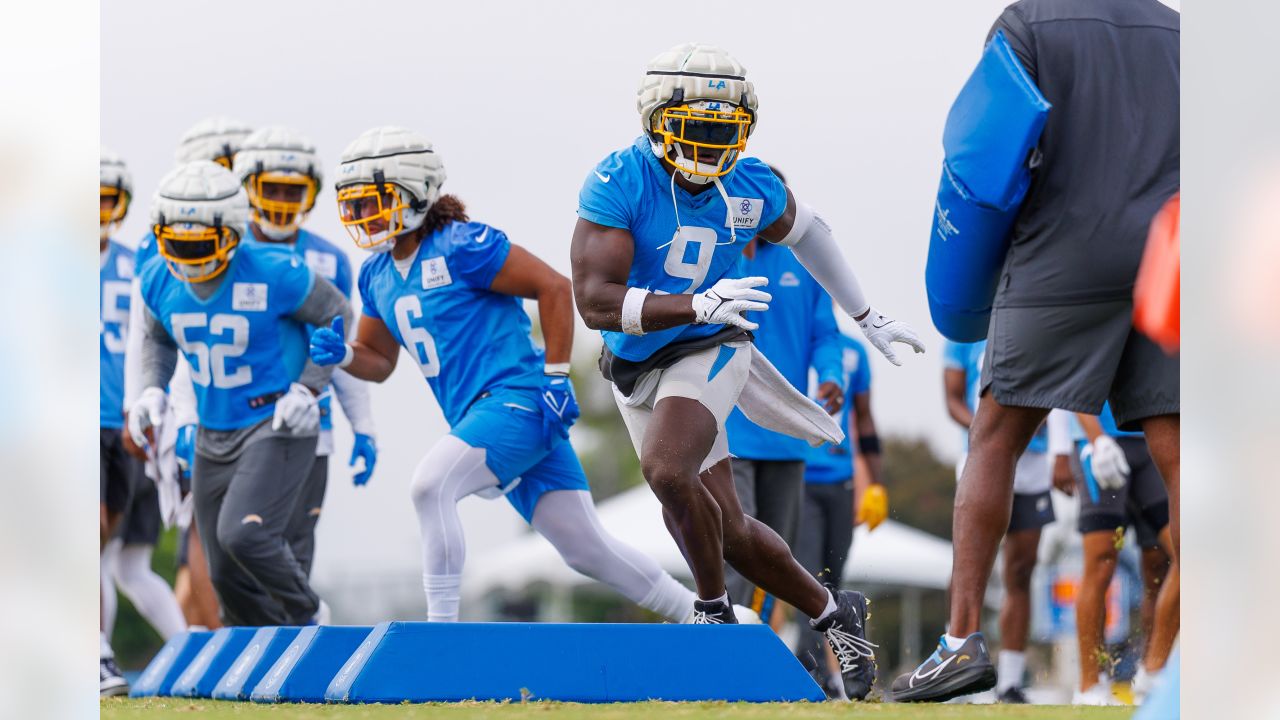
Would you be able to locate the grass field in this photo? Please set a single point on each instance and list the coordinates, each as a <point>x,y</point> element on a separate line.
<point>123,709</point>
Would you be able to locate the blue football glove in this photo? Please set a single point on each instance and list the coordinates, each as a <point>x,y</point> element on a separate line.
<point>184,449</point>
<point>557,395</point>
<point>365,449</point>
<point>329,344</point>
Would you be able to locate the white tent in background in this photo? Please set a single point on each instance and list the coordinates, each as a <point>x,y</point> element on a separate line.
<point>895,554</point>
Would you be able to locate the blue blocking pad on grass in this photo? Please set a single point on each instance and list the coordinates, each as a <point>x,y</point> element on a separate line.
<point>264,648</point>
<point>304,669</point>
<point>168,664</point>
<point>212,662</point>
<point>587,662</point>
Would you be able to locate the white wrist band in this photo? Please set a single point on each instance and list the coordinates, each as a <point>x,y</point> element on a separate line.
<point>632,307</point>
<point>348,357</point>
<point>555,369</point>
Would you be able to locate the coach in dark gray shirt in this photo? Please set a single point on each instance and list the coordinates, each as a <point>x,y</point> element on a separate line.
<point>1061,333</point>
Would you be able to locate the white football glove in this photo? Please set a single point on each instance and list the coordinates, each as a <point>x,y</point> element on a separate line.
<point>881,331</point>
<point>1110,467</point>
<point>724,302</point>
<point>146,414</point>
<point>297,410</point>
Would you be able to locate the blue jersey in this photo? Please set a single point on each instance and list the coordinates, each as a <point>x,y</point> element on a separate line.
<point>115,281</point>
<point>631,190</point>
<point>968,358</point>
<point>146,250</point>
<point>834,463</point>
<point>243,347</point>
<point>797,332</point>
<point>466,339</point>
<point>327,261</point>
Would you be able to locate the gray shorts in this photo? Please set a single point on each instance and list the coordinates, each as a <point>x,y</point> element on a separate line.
<point>1075,357</point>
<point>1143,502</point>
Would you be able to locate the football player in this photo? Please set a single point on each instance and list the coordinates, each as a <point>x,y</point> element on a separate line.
<point>661,225</point>
<point>450,292</point>
<point>281,174</point>
<point>238,313</point>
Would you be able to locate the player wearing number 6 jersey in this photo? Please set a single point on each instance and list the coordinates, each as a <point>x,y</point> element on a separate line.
<point>238,314</point>
<point>449,291</point>
<point>661,225</point>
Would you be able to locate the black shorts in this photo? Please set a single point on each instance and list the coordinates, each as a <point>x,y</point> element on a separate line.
<point>1143,502</point>
<point>141,524</point>
<point>1031,511</point>
<point>1075,357</point>
<point>118,472</point>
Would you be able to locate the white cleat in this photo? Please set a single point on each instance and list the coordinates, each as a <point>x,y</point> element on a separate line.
<point>323,615</point>
<point>1098,695</point>
<point>746,616</point>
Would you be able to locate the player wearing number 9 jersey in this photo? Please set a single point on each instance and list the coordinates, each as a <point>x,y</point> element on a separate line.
<point>237,312</point>
<point>450,292</point>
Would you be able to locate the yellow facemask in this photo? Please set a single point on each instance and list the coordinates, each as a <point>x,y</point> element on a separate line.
<point>120,206</point>
<point>196,253</point>
<point>289,203</point>
<point>721,128</point>
<point>359,206</point>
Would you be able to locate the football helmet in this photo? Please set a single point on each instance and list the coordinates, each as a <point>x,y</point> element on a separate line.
<point>115,190</point>
<point>280,172</point>
<point>388,179</point>
<point>695,104</point>
<point>198,216</point>
<point>216,138</point>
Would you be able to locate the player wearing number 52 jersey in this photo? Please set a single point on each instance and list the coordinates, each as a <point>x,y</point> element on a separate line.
<point>661,224</point>
<point>237,312</point>
<point>450,292</point>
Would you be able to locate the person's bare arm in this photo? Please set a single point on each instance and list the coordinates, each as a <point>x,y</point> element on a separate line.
<point>601,258</point>
<point>864,426</point>
<point>953,384</point>
<point>525,275</point>
<point>1092,427</point>
<point>374,351</point>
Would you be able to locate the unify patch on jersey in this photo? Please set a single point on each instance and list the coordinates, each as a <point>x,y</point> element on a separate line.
<point>744,213</point>
<point>249,296</point>
<point>323,263</point>
<point>435,273</point>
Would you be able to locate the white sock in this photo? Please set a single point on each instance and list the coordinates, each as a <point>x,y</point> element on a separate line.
<point>831,607</point>
<point>443,593</point>
<point>951,642</point>
<point>1011,665</point>
<point>723,598</point>
<point>669,599</point>
<point>106,652</point>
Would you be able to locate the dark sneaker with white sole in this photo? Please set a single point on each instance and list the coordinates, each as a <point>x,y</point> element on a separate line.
<point>846,632</point>
<point>713,612</point>
<point>949,674</point>
<point>1013,696</point>
<point>111,681</point>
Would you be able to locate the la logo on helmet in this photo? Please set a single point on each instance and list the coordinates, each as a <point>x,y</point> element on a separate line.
<point>716,84</point>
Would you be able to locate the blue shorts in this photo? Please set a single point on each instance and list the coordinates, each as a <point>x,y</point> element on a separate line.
<point>508,425</point>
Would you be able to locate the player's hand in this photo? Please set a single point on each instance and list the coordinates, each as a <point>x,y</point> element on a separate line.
<point>329,344</point>
<point>1063,478</point>
<point>133,449</point>
<point>874,507</point>
<point>724,302</point>
<point>830,397</point>
<point>1107,461</point>
<point>364,449</point>
<point>145,416</point>
<point>562,404</point>
<point>297,410</point>
<point>882,332</point>
<point>184,449</point>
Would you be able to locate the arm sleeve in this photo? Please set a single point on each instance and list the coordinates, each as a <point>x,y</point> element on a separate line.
<point>182,395</point>
<point>133,386</point>
<point>604,202</point>
<point>818,252</point>
<point>1018,33</point>
<point>321,306</point>
<point>826,341</point>
<point>353,395</point>
<point>1060,442</point>
<point>158,355</point>
<point>478,253</point>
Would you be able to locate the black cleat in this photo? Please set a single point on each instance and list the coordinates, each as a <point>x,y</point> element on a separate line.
<point>948,674</point>
<point>111,680</point>
<point>713,612</point>
<point>1013,696</point>
<point>846,633</point>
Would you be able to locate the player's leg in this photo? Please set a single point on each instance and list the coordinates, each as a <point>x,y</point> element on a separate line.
<point>1163,433</point>
<point>1015,612</point>
<point>744,480</point>
<point>110,603</point>
<point>1100,556</point>
<point>1165,616</point>
<point>149,593</point>
<point>779,495</point>
<point>261,499</point>
<point>203,598</point>
<point>302,527</point>
<point>810,550</point>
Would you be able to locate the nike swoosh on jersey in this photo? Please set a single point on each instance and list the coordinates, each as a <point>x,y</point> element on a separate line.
<point>484,234</point>
<point>917,675</point>
<point>603,178</point>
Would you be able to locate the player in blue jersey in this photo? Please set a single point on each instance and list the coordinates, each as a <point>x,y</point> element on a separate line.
<point>450,292</point>
<point>661,224</point>
<point>238,312</point>
<point>281,174</point>
<point>1032,510</point>
<point>118,472</point>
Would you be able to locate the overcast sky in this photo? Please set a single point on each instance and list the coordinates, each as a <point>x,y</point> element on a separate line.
<point>522,99</point>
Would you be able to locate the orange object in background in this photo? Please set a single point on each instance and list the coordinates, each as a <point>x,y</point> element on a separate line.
<point>1157,292</point>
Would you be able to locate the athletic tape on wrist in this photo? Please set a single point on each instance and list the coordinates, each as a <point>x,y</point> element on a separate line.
<point>348,356</point>
<point>632,307</point>
<point>555,369</point>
